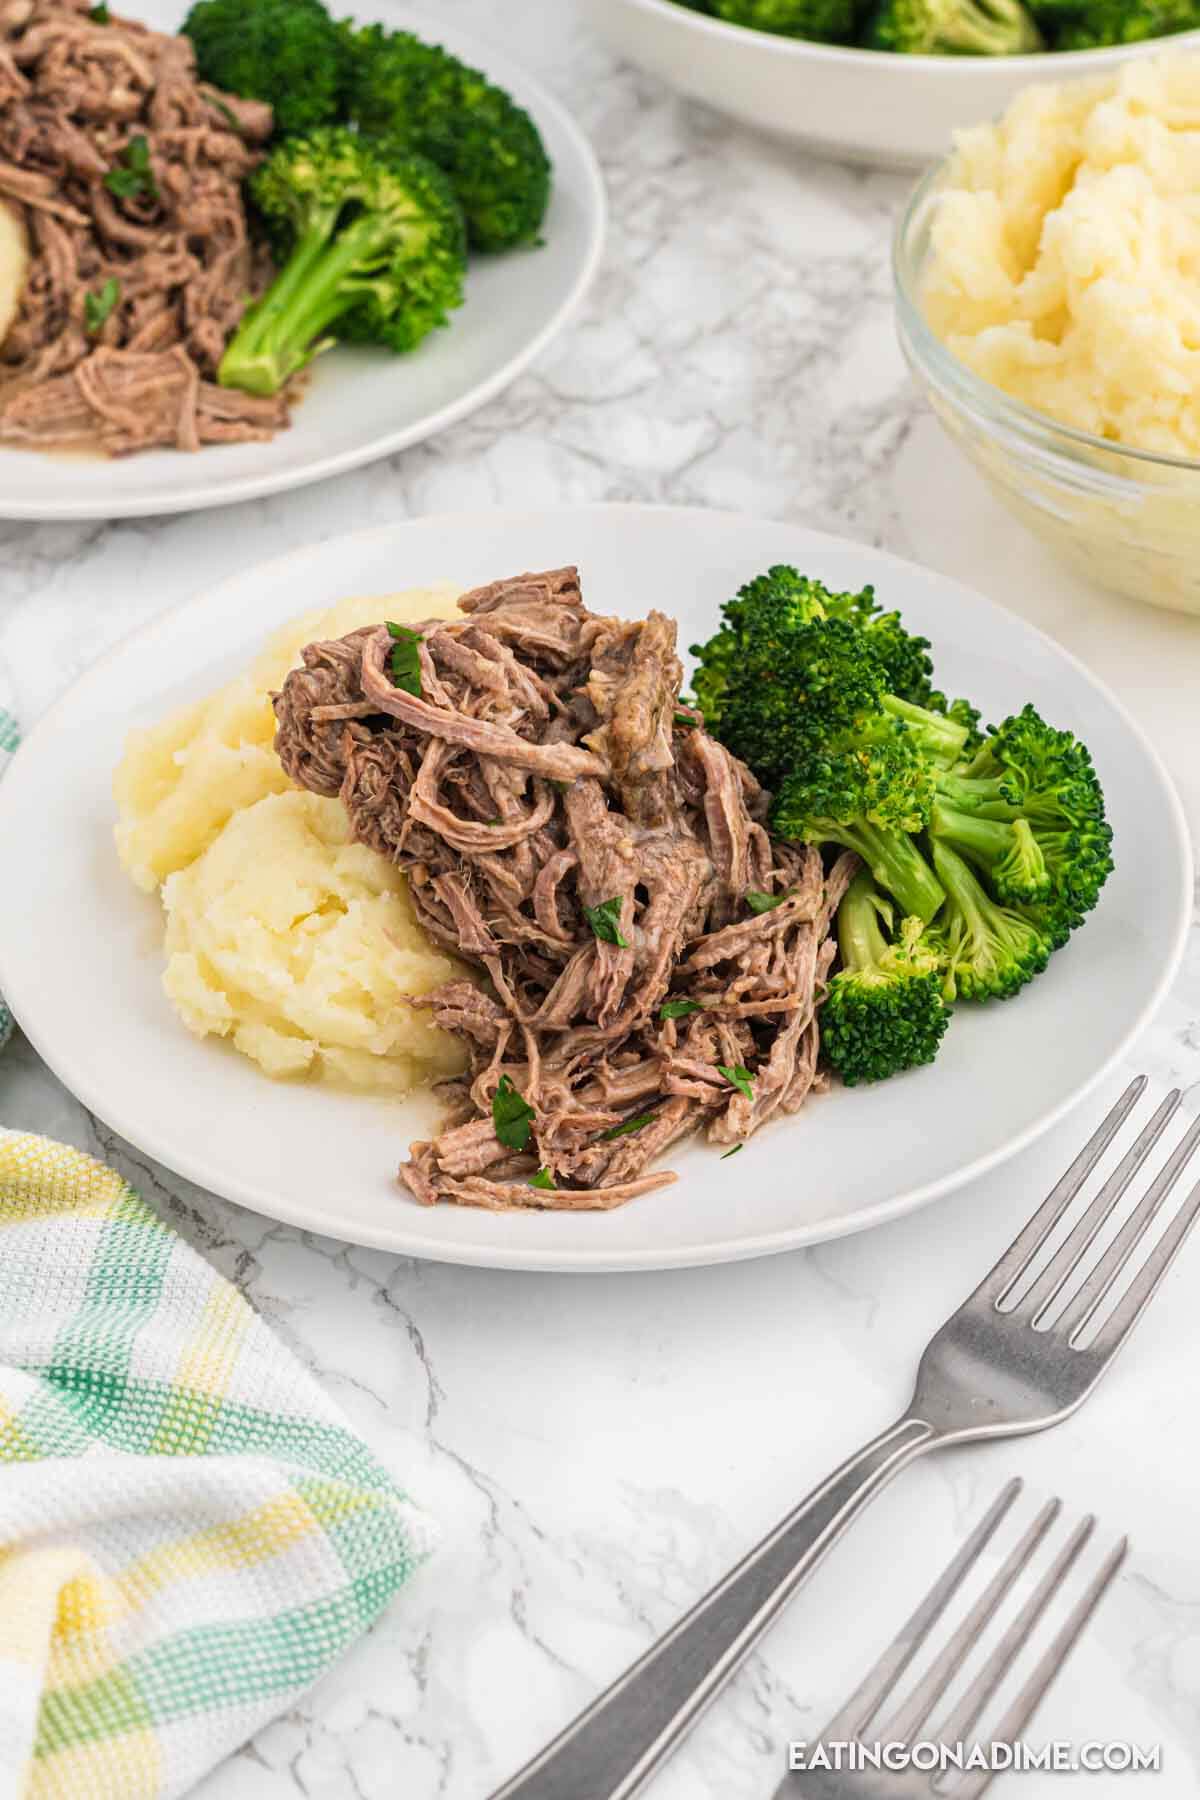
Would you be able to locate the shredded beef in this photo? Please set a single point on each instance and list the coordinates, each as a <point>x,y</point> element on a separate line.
<point>548,769</point>
<point>75,94</point>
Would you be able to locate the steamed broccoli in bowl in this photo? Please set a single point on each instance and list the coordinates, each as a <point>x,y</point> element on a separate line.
<point>829,21</point>
<point>953,28</point>
<point>981,853</point>
<point>958,27</point>
<point>1091,24</point>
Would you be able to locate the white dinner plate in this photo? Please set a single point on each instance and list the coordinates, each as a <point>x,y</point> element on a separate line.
<point>80,948</point>
<point>360,403</point>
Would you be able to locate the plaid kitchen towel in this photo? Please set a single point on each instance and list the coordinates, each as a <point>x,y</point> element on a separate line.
<point>8,746</point>
<point>189,1532</point>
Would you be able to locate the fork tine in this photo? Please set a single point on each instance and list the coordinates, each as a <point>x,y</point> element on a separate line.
<point>1075,1247</point>
<point>1012,1726</point>
<point>966,1714</point>
<point>1075,1319</point>
<point>870,1695</point>
<point>1133,1302</point>
<point>1025,1246</point>
<point>914,1714</point>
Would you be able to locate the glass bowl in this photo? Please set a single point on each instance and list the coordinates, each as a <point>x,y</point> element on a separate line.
<point>1128,519</point>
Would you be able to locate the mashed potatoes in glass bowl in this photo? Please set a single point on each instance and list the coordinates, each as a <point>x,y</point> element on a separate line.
<point>283,935</point>
<point>1048,297</point>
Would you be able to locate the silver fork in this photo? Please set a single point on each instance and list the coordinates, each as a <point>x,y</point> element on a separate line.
<point>911,1722</point>
<point>989,1372</point>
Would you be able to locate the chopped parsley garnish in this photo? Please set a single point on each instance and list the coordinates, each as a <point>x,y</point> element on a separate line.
<point>678,1009</point>
<point>739,1078</point>
<point>511,1115</point>
<point>406,659</point>
<point>133,176</point>
<point>628,1126</point>
<point>543,1179</point>
<point>227,113</point>
<point>96,307</point>
<point>732,1152</point>
<point>761,903</point>
<point>99,15</point>
<point>605,921</point>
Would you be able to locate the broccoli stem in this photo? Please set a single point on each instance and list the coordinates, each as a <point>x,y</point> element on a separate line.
<point>941,737</point>
<point>993,28</point>
<point>985,796</point>
<point>860,940</point>
<point>285,330</point>
<point>893,859</point>
<point>962,889</point>
<point>980,839</point>
<point>1006,852</point>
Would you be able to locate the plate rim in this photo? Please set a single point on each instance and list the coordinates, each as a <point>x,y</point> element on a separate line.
<point>541,103</point>
<point>526,1257</point>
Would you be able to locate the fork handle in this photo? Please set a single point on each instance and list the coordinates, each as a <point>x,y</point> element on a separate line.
<point>623,1737</point>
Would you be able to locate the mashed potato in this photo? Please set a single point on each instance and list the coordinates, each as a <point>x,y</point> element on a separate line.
<point>298,943</point>
<point>14,263</point>
<point>282,935</point>
<point>1065,263</point>
<point>181,780</point>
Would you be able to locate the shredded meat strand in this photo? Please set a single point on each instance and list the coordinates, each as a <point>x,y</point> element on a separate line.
<point>546,769</point>
<point>74,96</point>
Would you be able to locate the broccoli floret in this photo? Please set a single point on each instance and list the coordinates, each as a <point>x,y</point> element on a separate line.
<point>953,28</point>
<point>941,736</point>
<point>1075,26</point>
<point>1006,854</point>
<point>803,685</point>
<point>828,21</point>
<point>892,856</point>
<point>903,656</point>
<point>1030,758</point>
<point>1028,812</point>
<point>374,251</point>
<point>423,98</point>
<point>288,52</point>
<point>905,660</point>
<point>890,783</point>
<point>795,684</point>
<point>870,801</point>
<point>793,674</point>
<point>885,1010</point>
<point>780,673</point>
<point>990,951</point>
<point>964,714</point>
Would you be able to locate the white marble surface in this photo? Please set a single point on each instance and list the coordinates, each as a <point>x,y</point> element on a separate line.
<point>598,1450</point>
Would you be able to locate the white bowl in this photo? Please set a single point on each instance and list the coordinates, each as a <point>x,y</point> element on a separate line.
<point>857,105</point>
<point>1124,518</point>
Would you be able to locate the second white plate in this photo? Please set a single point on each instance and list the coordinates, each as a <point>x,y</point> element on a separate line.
<point>81,965</point>
<point>362,404</point>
